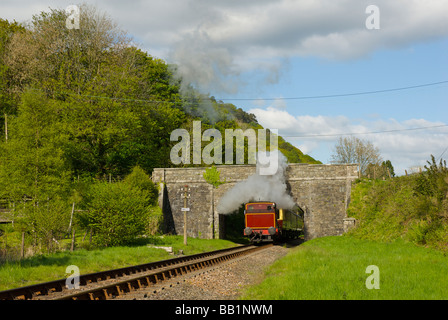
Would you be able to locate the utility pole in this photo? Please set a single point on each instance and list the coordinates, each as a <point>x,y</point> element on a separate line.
<point>6,128</point>
<point>186,196</point>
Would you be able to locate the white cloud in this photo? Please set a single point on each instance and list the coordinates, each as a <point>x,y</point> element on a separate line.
<point>269,27</point>
<point>237,36</point>
<point>215,41</point>
<point>325,28</point>
<point>258,34</point>
<point>288,124</point>
<point>318,135</point>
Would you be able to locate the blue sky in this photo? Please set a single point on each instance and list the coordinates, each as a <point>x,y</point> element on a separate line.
<point>386,69</point>
<point>292,48</point>
<point>417,64</point>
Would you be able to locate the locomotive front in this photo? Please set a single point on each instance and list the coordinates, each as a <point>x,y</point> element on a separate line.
<point>265,222</point>
<point>261,221</point>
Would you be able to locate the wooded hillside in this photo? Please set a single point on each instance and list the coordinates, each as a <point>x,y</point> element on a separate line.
<point>79,106</point>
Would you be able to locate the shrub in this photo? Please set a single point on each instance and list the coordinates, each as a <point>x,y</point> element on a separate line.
<point>118,213</point>
<point>139,179</point>
<point>433,182</point>
<point>212,176</point>
<point>46,220</point>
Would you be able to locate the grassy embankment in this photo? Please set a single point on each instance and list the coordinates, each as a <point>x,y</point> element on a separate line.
<point>397,209</point>
<point>44,268</point>
<point>335,268</point>
<point>402,229</point>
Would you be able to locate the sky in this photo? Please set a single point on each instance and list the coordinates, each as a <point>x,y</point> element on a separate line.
<point>299,65</point>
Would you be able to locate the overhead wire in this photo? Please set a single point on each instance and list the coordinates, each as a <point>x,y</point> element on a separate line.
<point>339,95</point>
<point>271,99</point>
<point>302,98</point>
<point>361,133</point>
<point>440,157</point>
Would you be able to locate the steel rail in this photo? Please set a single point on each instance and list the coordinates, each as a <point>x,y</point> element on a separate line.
<point>123,280</point>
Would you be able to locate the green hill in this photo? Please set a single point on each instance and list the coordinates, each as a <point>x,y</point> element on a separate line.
<point>81,108</point>
<point>107,105</point>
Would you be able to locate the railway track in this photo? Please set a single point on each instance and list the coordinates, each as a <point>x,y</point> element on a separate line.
<point>115,283</point>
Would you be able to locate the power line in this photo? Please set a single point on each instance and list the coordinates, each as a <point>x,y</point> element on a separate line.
<point>340,95</point>
<point>266,99</point>
<point>360,133</point>
<point>303,136</point>
<point>440,157</point>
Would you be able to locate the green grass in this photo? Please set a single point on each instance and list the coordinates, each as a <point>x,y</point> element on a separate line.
<point>335,268</point>
<point>44,268</point>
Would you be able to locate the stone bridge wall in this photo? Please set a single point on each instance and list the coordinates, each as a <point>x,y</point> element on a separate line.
<point>323,191</point>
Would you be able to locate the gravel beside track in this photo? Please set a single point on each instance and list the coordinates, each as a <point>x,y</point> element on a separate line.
<point>223,282</point>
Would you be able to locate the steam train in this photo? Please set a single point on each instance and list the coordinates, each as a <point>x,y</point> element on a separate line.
<point>265,222</point>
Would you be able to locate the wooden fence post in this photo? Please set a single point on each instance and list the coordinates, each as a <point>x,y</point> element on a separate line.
<point>6,128</point>
<point>22,248</point>
<point>73,241</point>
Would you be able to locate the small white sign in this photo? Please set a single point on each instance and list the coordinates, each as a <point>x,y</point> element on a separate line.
<point>185,209</point>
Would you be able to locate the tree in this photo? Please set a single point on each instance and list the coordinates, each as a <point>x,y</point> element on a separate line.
<point>117,213</point>
<point>383,171</point>
<point>32,160</point>
<point>8,104</point>
<point>387,165</point>
<point>33,172</point>
<point>62,60</point>
<point>139,179</point>
<point>354,150</point>
<point>111,94</point>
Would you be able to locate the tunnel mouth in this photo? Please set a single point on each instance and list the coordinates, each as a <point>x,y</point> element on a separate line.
<point>232,225</point>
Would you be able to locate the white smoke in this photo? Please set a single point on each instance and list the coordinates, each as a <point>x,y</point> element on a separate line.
<point>259,188</point>
<point>202,68</point>
<point>204,65</point>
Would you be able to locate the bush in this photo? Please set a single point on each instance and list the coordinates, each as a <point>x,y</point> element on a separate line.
<point>49,220</point>
<point>139,179</point>
<point>433,182</point>
<point>212,176</point>
<point>118,213</point>
<point>418,231</point>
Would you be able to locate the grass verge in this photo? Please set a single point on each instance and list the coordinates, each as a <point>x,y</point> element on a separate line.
<point>335,268</point>
<point>44,268</point>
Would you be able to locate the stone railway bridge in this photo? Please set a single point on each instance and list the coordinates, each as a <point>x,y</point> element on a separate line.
<point>322,191</point>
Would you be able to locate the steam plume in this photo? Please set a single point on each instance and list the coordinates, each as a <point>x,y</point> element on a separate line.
<point>259,188</point>
<point>204,65</point>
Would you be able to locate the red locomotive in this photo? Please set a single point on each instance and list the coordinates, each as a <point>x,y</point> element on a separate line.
<point>265,222</point>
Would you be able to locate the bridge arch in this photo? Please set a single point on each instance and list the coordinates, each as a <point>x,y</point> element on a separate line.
<point>322,191</point>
